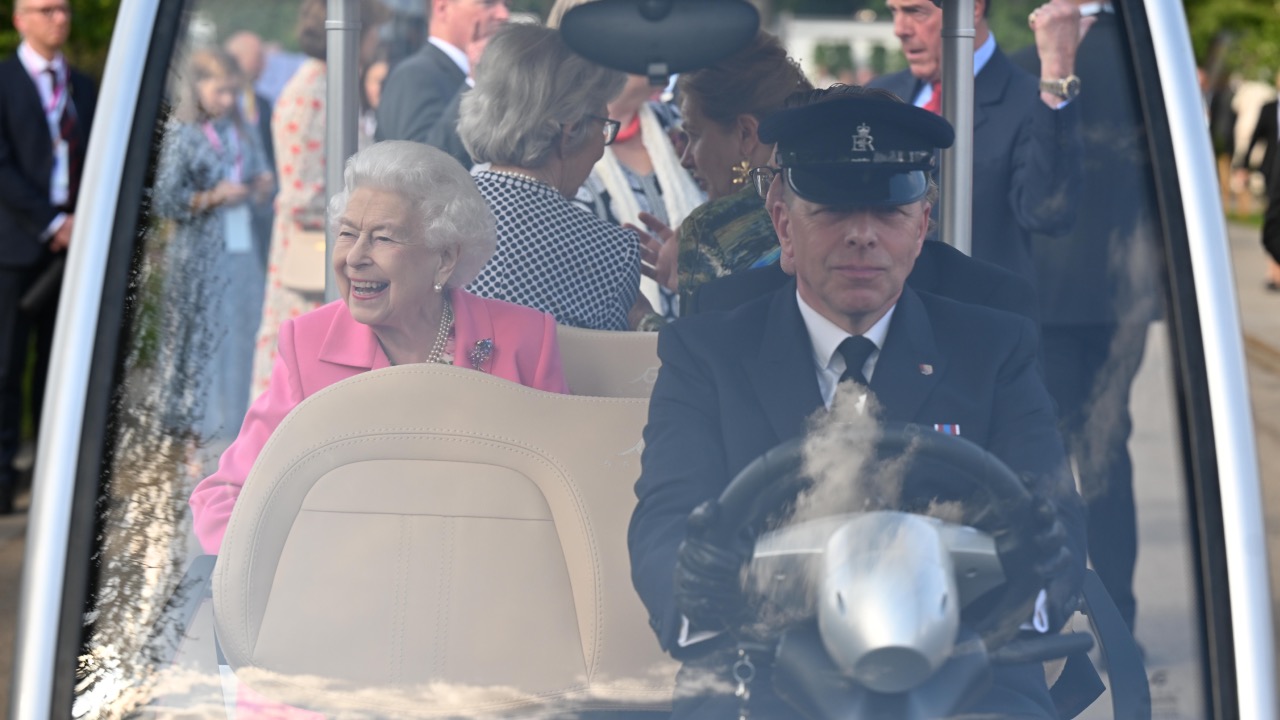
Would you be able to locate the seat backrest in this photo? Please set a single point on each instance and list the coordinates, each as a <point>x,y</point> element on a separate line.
<point>432,541</point>
<point>604,363</point>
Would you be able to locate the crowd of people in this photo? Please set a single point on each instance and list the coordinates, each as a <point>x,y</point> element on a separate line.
<point>782,236</point>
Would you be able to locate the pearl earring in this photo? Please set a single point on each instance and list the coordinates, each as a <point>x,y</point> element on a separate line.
<point>439,287</point>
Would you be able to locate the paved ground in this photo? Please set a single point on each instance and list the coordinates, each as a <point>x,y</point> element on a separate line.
<point>1165,620</point>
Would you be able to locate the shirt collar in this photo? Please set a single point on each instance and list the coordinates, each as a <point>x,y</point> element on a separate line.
<point>984,53</point>
<point>455,54</point>
<point>35,63</point>
<point>980,58</point>
<point>826,336</point>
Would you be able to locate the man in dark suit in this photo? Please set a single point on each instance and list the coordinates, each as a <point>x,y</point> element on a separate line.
<point>418,98</point>
<point>852,215</point>
<point>46,108</point>
<point>1099,290</point>
<point>1026,148</point>
<point>255,109</point>
<point>1267,133</point>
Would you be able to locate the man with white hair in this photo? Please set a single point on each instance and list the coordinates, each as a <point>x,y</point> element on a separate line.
<point>419,93</point>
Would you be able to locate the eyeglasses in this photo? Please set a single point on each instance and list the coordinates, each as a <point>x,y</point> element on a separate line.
<point>50,11</point>
<point>763,177</point>
<point>611,128</point>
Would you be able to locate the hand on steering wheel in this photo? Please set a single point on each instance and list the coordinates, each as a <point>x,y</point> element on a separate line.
<point>708,576</point>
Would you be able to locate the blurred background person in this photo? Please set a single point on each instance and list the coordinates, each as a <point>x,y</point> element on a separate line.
<point>722,107</point>
<point>371,81</point>
<point>207,175</point>
<point>297,128</point>
<point>420,92</point>
<point>255,109</point>
<point>1098,294</point>
<point>401,302</point>
<point>639,181</point>
<point>44,128</point>
<point>1026,135</point>
<point>537,115</point>
<point>1266,132</point>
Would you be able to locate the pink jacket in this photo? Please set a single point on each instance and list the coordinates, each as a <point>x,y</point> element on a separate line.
<point>326,345</point>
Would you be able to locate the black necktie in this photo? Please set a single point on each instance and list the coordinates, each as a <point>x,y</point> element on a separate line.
<point>856,350</point>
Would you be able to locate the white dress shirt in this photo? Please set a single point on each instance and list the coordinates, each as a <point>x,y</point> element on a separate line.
<point>826,337</point>
<point>37,67</point>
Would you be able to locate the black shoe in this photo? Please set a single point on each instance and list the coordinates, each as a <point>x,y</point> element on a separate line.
<point>6,496</point>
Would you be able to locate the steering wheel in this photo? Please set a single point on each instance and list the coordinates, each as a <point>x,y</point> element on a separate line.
<point>997,501</point>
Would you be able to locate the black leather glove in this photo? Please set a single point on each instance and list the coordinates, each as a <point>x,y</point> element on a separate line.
<point>1053,561</point>
<point>1053,557</point>
<point>708,576</point>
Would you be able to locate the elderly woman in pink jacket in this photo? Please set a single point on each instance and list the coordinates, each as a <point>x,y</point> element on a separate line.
<point>411,230</point>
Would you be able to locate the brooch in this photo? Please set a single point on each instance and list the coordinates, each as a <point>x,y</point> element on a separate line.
<point>480,353</point>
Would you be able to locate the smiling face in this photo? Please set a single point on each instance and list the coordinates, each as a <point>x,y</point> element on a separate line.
<point>384,269</point>
<point>850,265</point>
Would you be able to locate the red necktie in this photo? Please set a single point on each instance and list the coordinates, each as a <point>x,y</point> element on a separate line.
<point>935,101</point>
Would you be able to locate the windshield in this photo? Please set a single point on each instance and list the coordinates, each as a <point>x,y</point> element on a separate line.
<point>453,478</point>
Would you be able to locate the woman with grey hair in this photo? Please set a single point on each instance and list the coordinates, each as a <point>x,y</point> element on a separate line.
<point>410,231</point>
<point>537,115</point>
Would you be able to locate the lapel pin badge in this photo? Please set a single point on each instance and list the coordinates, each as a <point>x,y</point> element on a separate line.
<point>926,369</point>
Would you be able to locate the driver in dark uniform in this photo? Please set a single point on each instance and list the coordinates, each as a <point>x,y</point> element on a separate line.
<point>852,213</point>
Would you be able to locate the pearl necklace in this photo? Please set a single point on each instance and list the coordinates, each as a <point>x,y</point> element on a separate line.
<point>520,176</point>
<point>442,335</point>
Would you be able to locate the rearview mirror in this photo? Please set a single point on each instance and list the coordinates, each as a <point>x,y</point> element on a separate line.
<point>657,38</point>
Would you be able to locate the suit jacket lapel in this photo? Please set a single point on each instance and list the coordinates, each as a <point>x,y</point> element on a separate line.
<point>24,90</point>
<point>989,88</point>
<point>909,365</point>
<point>782,373</point>
<point>445,63</point>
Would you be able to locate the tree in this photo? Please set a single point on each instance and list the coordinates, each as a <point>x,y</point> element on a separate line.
<point>91,25</point>
<point>1246,32</point>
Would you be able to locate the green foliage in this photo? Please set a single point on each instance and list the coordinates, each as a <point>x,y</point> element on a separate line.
<point>91,25</point>
<point>1248,32</point>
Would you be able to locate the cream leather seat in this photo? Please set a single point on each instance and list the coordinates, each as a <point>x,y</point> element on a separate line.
<point>432,541</point>
<point>604,363</point>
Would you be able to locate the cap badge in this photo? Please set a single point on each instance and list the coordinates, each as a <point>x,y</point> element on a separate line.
<point>926,369</point>
<point>863,141</point>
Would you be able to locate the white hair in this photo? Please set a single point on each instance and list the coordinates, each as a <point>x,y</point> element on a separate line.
<point>452,211</point>
<point>530,86</point>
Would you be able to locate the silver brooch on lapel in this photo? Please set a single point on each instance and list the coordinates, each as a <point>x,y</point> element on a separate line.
<point>480,353</point>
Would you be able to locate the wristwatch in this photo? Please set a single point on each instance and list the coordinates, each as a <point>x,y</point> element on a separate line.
<point>1065,88</point>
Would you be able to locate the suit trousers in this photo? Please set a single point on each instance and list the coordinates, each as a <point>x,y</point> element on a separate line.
<point>16,328</point>
<point>1089,370</point>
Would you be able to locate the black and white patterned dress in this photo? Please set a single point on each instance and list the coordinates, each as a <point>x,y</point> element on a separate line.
<point>554,257</point>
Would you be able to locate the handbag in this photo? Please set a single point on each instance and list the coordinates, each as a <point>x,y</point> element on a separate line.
<point>302,269</point>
